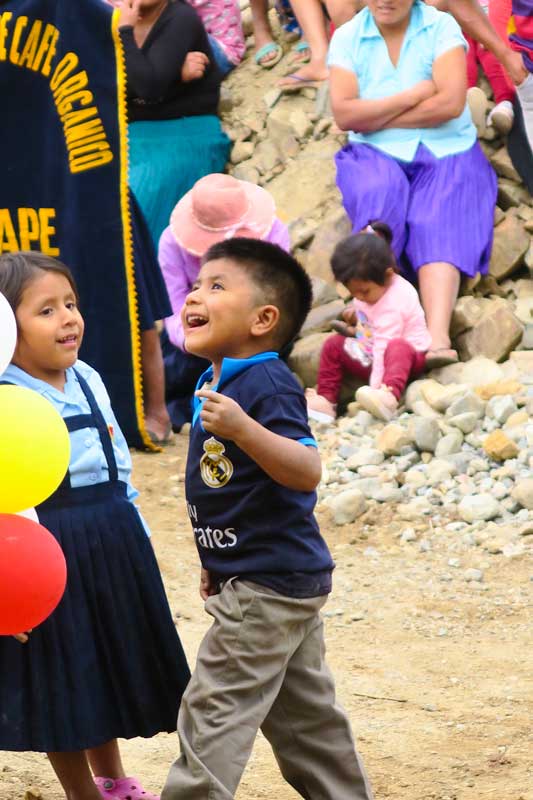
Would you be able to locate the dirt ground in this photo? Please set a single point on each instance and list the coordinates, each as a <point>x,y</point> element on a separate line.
<point>436,673</point>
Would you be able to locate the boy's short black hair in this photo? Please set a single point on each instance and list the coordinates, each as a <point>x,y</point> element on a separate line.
<point>280,279</point>
<point>17,270</point>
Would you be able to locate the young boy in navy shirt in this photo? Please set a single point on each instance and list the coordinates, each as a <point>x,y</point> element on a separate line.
<point>266,571</point>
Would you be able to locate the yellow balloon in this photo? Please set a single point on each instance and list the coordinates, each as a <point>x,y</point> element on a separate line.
<point>34,449</point>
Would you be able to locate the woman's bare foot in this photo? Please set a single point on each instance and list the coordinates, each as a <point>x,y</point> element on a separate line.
<point>441,357</point>
<point>311,74</point>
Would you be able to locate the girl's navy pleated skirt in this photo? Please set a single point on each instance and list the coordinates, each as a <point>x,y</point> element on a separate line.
<point>108,662</point>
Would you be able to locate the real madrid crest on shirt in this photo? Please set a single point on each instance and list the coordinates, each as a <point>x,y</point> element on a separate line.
<point>216,468</point>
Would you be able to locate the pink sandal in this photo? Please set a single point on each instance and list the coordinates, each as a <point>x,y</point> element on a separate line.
<point>123,789</point>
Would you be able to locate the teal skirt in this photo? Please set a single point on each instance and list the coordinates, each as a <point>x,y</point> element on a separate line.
<point>167,157</point>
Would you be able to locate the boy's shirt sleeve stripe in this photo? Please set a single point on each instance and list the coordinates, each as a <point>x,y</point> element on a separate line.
<point>308,442</point>
<point>286,415</point>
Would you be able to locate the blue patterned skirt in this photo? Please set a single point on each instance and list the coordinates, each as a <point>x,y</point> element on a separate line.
<point>167,157</point>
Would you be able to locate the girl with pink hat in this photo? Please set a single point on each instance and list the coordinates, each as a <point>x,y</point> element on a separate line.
<point>217,207</point>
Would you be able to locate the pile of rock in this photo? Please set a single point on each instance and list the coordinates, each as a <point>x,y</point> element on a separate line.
<point>460,453</point>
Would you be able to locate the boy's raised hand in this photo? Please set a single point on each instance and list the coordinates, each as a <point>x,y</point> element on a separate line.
<point>221,415</point>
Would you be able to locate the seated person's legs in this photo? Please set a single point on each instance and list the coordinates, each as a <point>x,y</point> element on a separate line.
<point>223,63</point>
<point>157,421</point>
<point>341,11</point>
<point>267,52</point>
<point>335,362</point>
<point>401,362</point>
<point>439,287</point>
<point>312,19</point>
<point>450,233</point>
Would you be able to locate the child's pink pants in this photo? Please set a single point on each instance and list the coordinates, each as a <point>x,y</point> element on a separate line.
<point>401,362</point>
<point>500,12</point>
<point>502,89</point>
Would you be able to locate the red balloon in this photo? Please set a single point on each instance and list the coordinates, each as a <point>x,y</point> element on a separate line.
<point>33,574</point>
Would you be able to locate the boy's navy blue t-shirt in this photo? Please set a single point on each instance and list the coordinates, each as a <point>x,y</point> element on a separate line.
<point>246,524</point>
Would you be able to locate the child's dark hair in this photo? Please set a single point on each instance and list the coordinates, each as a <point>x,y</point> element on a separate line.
<point>365,256</point>
<point>280,280</point>
<point>17,270</point>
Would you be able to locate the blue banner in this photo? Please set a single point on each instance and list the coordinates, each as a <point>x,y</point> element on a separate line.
<point>63,185</point>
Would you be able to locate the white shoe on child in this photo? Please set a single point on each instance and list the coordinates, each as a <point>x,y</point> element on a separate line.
<point>502,117</point>
<point>319,408</point>
<point>478,105</point>
<point>381,403</point>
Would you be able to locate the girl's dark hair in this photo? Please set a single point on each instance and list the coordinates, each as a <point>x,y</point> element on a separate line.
<point>17,270</point>
<point>365,256</point>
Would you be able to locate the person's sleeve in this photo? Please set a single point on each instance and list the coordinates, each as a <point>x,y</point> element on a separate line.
<point>340,53</point>
<point>120,446</point>
<point>279,234</point>
<point>132,495</point>
<point>178,284</point>
<point>150,74</point>
<point>286,415</point>
<point>448,35</point>
<point>390,327</point>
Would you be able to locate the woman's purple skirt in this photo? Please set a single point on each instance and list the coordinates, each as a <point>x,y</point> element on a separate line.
<point>439,209</point>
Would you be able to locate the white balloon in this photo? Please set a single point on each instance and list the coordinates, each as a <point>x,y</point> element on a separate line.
<point>8,333</point>
<point>29,513</point>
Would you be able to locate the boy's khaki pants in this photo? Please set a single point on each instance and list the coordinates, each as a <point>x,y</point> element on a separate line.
<point>261,665</point>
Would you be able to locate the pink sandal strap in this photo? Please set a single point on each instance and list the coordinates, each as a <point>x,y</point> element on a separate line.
<point>123,789</point>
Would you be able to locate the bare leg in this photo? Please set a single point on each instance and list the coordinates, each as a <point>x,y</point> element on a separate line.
<point>262,30</point>
<point>155,410</point>
<point>439,287</point>
<point>312,21</point>
<point>105,761</point>
<point>342,11</point>
<point>74,774</point>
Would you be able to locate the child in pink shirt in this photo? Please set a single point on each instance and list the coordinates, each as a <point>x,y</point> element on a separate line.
<point>222,21</point>
<point>385,336</point>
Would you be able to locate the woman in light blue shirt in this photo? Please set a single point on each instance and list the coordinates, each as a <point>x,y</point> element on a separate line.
<point>398,84</point>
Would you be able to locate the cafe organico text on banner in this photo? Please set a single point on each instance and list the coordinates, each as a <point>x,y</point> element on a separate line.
<point>63,184</point>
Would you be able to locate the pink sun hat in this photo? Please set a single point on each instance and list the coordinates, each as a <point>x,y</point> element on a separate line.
<point>221,207</point>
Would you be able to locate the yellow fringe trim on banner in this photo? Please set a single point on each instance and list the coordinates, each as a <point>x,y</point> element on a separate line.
<point>128,238</point>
